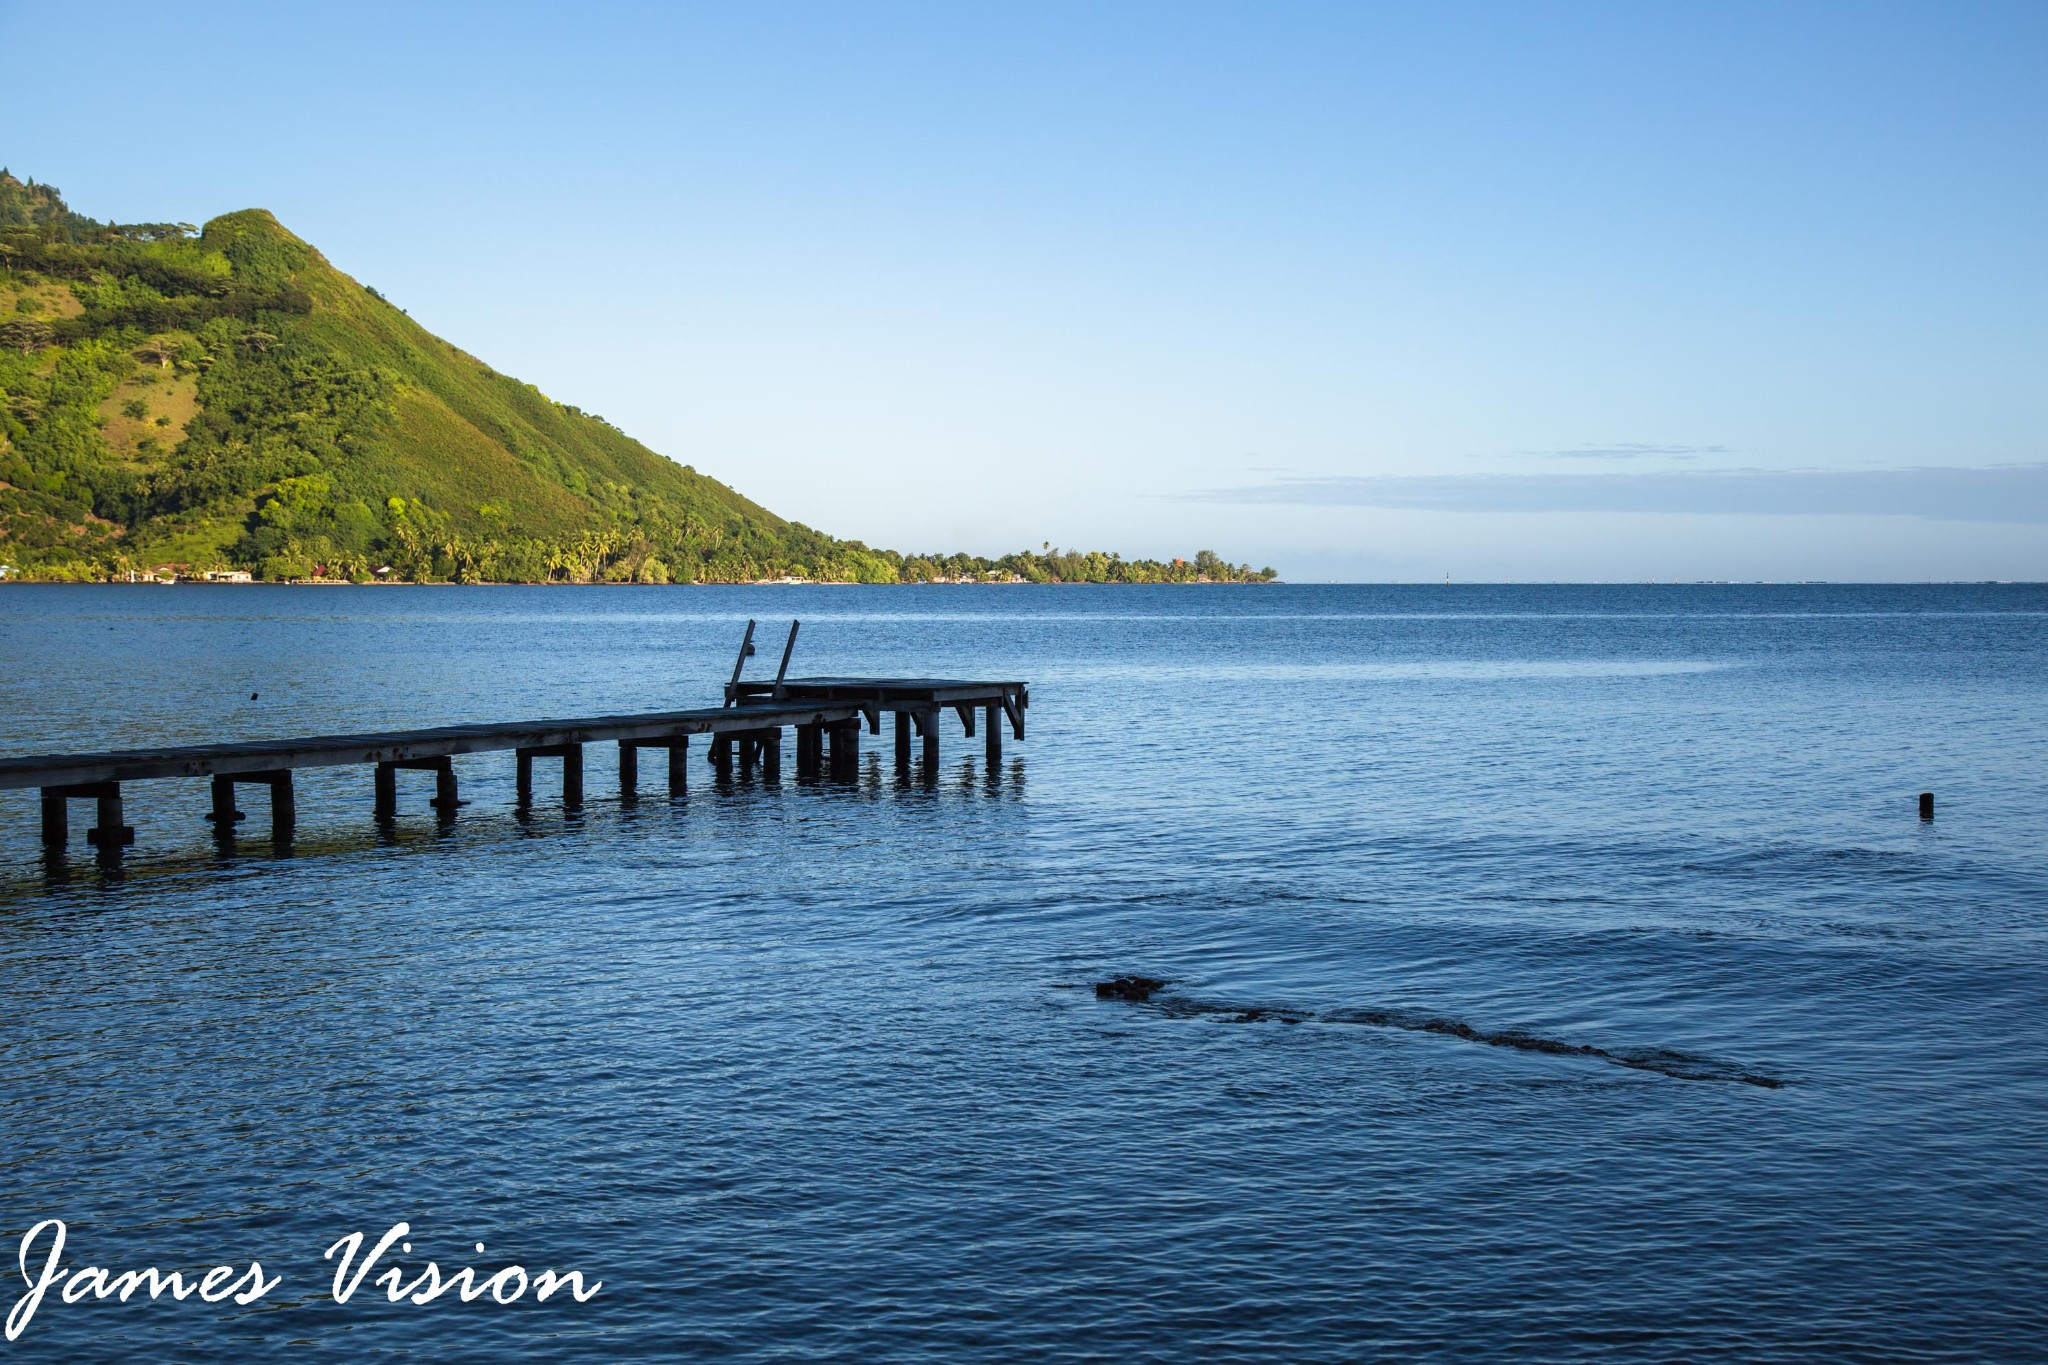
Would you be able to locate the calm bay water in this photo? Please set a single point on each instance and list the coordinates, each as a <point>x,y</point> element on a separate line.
<point>1554,973</point>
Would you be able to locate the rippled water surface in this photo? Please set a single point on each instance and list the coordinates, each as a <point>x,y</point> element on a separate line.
<point>1551,973</point>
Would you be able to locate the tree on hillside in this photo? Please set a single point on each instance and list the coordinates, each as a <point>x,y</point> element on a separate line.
<point>25,335</point>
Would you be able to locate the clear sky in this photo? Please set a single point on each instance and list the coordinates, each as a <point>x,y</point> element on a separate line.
<point>1503,291</point>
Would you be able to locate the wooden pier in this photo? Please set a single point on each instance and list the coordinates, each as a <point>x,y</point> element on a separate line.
<point>826,715</point>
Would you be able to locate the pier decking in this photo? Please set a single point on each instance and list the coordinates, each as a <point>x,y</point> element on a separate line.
<point>826,714</point>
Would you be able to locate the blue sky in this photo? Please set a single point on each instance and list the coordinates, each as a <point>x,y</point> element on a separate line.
<point>1365,292</point>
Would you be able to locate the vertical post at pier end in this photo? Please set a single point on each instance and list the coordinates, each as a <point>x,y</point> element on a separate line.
<point>788,648</point>
<point>732,689</point>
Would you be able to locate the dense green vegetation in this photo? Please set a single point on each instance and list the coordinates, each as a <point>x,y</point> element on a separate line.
<point>187,398</point>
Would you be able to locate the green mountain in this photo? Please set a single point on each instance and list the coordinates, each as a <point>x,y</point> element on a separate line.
<point>219,397</point>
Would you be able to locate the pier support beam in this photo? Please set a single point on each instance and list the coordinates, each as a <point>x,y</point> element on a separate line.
<point>443,768</point>
<point>678,747</point>
<point>284,808</point>
<point>109,836</point>
<point>992,731</point>
<point>928,726</point>
<point>810,747</point>
<point>903,742</point>
<point>572,771</point>
<point>771,754</point>
<point>721,754</point>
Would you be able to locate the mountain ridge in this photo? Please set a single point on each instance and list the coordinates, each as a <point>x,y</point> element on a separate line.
<point>223,397</point>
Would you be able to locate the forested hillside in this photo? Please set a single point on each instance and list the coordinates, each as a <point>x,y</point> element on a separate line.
<point>201,398</point>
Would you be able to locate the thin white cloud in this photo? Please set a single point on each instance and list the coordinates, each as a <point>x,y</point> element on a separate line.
<point>1994,493</point>
<point>1628,450</point>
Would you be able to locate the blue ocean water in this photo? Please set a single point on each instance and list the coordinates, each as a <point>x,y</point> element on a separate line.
<point>1553,973</point>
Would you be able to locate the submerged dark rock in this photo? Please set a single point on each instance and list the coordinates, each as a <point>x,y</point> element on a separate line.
<point>1136,988</point>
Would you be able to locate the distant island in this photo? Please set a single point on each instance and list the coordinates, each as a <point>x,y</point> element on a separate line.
<point>182,402</point>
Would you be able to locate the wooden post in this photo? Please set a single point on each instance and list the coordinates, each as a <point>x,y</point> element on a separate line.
<point>678,765</point>
<point>721,753</point>
<point>56,818</point>
<point>284,806</point>
<point>902,741</point>
<point>788,648</point>
<point>845,739</point>
<point>387,792</point>
<point>445,801</point>
<point>930,756</point>
<point>771,754</point>
<point>523,766</point>
<point>110,835</point>
<point>808,744</point>
<point>572,776</point>
<point>224,815</point>
<point>629,770</point>
<point>1926,805</point>
<point>992,729</point>
<point>732,689</point>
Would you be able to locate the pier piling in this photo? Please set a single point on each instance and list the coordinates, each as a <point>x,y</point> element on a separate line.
<point>56,818</point>
<point>224,815</point>
<point>572,771</point>
<point>844,739</point>
<point>445,801</point>
<point>678,748</point>
<point>111,834</point>
<point>284,810</point>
